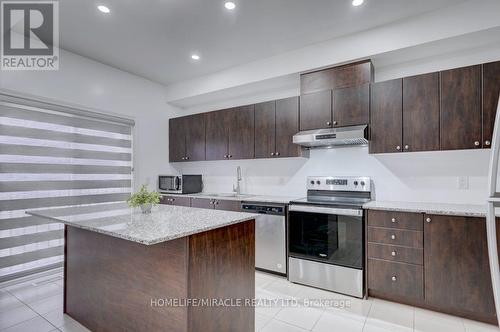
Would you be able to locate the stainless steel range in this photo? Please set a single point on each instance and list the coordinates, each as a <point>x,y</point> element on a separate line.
<point>326,234</point>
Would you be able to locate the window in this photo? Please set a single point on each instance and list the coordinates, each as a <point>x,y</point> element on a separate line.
<point>54,156</point>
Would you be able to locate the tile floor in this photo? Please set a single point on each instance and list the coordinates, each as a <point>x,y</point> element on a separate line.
<point>36,305</point>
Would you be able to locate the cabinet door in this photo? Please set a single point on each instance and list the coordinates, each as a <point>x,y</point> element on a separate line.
<point>265,129</point>
<point>386,124</point>
<point>457,273</point>
<point>351,106</point>
<point>460,114</point>
<point>216,134</point>
<point>491,92</point>
<point>241,133</point>
<point>228,205</point>
<point>180,201</point>
<point>165,200</point>
<point>287,125</point>
<point>421,112</point>
<point>176,140</point>
<point>195,137</point>
<point>203,203</point>
<point>316,110</point>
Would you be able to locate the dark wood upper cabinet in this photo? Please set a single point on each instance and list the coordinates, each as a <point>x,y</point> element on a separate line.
<point>195,137</point>
<point>460,114</point>
<point>216,124</point>
<point>386,133</point>
<point>338,96</point>
<point>275,124</point>
<point>287,125</point>
<point>421,112</point>
<point>457,273</point>
<point>351,106</point>
<point>491,92</point>
<point>316,110</point>
<point>265,129</point>
<point>241,133</point>
<point>353,74</point>
<point>177,140</point>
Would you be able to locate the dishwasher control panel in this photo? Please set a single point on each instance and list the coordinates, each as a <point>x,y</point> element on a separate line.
<point>264,209</point>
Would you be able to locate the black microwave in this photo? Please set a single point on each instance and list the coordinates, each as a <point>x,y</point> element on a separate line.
<point>180,184</point>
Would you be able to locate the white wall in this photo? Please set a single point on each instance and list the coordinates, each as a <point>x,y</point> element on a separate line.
<point>86,83</point>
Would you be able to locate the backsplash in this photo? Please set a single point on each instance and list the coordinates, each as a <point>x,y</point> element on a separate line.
<point>421,176</point>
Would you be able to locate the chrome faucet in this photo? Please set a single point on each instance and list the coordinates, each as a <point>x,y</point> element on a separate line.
<point>237,189</point>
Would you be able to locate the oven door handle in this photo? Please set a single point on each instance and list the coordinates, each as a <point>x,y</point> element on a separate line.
<point>326,210</point>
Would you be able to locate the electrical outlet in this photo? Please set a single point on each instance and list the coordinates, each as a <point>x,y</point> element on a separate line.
<point>463,182</point>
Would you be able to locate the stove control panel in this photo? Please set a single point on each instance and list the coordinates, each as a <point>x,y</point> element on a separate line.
<point>345,183</point>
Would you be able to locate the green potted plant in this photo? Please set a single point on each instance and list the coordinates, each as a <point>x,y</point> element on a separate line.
<point>145,199</point>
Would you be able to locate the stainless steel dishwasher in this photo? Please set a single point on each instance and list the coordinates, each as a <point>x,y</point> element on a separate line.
<point>270,236</point>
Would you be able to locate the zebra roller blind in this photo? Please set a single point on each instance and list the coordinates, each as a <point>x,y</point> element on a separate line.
<point>52,156</point>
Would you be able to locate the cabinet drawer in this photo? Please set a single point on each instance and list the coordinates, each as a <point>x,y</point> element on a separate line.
<point>181,201</point>
<point>397,279</point>
<point>397,237</point>
<point>396,253</point>
<point>391,219</point>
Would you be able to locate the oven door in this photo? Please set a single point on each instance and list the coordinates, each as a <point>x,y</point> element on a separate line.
<point>169,183</point>
<point>327,235</point>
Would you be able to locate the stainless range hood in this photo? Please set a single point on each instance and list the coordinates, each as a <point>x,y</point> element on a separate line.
<point>332,137</point>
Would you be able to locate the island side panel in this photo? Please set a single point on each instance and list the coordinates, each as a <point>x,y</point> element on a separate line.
<point>110,282</point>
<point>222,266</point>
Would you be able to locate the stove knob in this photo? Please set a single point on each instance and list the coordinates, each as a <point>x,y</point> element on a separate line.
<point>312,182</point>
<point>318,182</point>
<point>362,183</point>
<point>355,183</point>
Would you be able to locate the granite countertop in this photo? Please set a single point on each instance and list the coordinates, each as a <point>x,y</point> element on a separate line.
<point>243,197</point>
<point>467,210</point>
<point>164,223</point>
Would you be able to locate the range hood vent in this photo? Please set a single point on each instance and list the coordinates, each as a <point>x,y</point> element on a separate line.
<point>328,138</point>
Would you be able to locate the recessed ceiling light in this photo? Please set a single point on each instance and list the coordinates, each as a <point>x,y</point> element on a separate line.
<point>195,57</point>
<point>356,3</point>
<point>230,5</point>
<point>103,9</point>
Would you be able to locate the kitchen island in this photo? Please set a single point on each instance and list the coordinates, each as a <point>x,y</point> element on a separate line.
<point>175,269</point>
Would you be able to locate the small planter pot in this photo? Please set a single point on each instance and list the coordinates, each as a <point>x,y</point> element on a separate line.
<point>146,208</point>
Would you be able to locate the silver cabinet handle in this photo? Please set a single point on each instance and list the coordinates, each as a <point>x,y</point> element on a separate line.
<point>476,143</point>
<point>328,123</point>
<point>393,220</point>
<point>393,253</point>
<point>225,156</point>
<point>277,153</point>
<point>334,123</point>
<point>230,156</point>
<point>187,158</point>
<point>216,203</point>
<point>322,255</point>
<point>394,278</point>
<point>398,147</point>
<point>428,219</point>
<point>487,143</point>
<point>272,153</point>
<point>407,147</point>
<point>393,237</point>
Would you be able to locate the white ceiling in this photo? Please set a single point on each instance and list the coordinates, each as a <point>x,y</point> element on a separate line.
<point>154,38</point>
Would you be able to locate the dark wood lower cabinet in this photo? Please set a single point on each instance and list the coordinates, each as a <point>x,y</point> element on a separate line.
<point>175,200</point>
<point>113,284</point>
<point>398,279</point>
<point>450,273</point>
<point>457,273</point>
<point>228,205</point>
<point>203,203</point>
